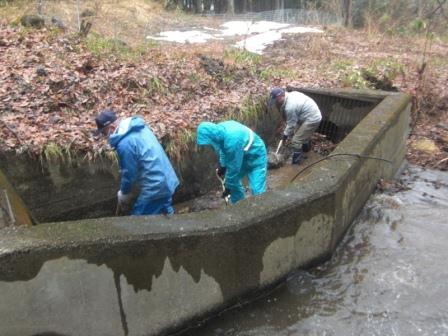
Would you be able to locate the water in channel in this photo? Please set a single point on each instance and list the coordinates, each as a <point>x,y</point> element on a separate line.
<point>388,277</point>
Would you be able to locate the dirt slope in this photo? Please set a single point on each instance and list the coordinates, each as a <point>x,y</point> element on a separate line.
<point>52,83</point>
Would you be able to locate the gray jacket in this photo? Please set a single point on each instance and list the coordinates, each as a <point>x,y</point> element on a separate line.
<point>299,108</point>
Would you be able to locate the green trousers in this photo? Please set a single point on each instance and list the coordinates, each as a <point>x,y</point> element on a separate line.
<point>303,134</point>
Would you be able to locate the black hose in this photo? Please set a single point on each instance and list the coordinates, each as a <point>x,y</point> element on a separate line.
<point>338,154</point>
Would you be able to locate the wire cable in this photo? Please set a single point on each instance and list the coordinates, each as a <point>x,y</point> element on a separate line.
<point>339,154</point>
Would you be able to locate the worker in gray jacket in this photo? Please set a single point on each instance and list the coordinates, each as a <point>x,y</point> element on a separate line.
<point>297,108</point>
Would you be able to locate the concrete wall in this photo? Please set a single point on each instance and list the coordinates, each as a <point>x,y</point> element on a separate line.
<point>72,188</point>
<point>150,275</point>
<point>12,209</point>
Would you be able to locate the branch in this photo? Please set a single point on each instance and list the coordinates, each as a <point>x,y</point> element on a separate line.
<point>440,6</point>
<point>441,161</point>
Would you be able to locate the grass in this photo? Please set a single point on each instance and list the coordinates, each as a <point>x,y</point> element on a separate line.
<point>12,10</point>
<point>52,152</point>
<point>155,85</point>
<point>271,72</point>
<point>357,76</point>
<point>249,114</point>
<point>386,66</point>
<point>342,65</point>
<point>55,153</point>
<point>102,46</point>
<point>112,156</point>
<point>351,74</point>
<point>241,56</point>
<point>181,143</point>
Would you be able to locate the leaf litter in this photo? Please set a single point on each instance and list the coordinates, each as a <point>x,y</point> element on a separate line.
<point>52,86</point>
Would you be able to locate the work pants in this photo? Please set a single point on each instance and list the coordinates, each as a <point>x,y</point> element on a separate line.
<point>257,182</point>
<point>303,134</point>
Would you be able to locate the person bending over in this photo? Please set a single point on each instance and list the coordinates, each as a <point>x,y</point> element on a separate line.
<point>241,152</point>
<point>297,108</point>
<point>142,161</point>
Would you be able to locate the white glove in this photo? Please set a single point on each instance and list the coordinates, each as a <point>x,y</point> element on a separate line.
<point>123,198</point>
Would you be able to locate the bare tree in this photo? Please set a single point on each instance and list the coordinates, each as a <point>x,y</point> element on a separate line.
<point>197,6</point>
<point>231,6</point>
<point>39,6</point>
<point>347,12</point>
<point>78,15</point>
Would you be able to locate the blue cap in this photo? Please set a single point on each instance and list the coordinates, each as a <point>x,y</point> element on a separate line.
<point>275,92</point>
<point>104,119</point>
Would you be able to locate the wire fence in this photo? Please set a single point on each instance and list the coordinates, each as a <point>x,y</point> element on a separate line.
<point>64,14</point>
<point>288,15</point>
<point>74,14</point>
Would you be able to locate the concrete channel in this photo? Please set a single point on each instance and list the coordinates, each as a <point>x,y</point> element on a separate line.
<point>153,275</point>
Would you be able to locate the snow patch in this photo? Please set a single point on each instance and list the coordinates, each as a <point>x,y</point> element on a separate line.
<point>192,36</point>
<point>258,43</point>
<point>259,34</point>
<point>236,28</point>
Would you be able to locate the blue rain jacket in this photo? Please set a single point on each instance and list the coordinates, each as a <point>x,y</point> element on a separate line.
<point>143,159</point>
<point>240,152</point>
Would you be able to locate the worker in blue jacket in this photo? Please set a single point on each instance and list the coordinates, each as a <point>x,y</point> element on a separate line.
<point>241,152</point>
<point>143,160</point>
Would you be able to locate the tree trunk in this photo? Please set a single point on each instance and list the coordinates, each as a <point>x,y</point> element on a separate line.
<point>197,6</point>
<point>418,8</point>
<point>250,6</point>
<point>207,5</point>
<point>243,6</point>
<point>39,7</point>
<point>277,4</point>
<point>219,6</point>
<point>231,6</point>
<point>347,12</point>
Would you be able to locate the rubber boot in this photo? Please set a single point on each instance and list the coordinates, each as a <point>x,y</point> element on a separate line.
<point>306,147</point>
<point>297,157</point>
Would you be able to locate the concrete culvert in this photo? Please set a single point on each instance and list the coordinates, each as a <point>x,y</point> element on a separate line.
<point>150,275</point>
<point>73,189</point>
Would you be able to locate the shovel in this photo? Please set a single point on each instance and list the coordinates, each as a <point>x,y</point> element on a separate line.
<point>278,148</point>
<point>223,187</point>
<point>118,209</point>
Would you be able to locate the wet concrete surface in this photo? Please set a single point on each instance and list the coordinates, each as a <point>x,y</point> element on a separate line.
<point>388,276</point>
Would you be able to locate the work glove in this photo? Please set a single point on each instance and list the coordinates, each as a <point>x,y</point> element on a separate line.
<point>221,171</point>
<point>123,199</point>
<point>284,137</point>
<point>225,193</point>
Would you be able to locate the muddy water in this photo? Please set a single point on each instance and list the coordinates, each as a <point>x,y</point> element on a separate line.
<point>277,178</point>
<point>388,277</point>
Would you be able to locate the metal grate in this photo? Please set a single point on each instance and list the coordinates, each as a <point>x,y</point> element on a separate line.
<point>339,114</point>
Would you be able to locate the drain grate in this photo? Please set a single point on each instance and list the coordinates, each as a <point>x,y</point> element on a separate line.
<point>6,214</point>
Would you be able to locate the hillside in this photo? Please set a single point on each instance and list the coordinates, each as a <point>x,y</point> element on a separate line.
<point>53,82</point>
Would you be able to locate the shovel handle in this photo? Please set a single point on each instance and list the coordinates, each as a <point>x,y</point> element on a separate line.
<point>279,146</point>
<point>223,186</point>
